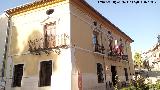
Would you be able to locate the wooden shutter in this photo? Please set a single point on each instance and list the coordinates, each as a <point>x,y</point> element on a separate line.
<point>48,73</point>
<point>18,73</point>
<point>42,73</point>
<point>45,73</point>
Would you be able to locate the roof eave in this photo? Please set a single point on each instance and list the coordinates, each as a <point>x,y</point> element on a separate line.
<point>33,5</point>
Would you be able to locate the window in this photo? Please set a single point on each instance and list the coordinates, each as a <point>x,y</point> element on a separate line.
<point>126,73</point>
<point>121,47</point>
<point>100,73</point>
<point>45,73</point>
<point>50,11</point>
<point>95,37</point>
<point>95,23</point>
<point>109,32</point>
<point>110,39</point>
<point>50,35</point>
<point>17,77</point>
<point>97,41</point>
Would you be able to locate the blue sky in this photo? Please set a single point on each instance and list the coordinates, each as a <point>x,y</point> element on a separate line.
<point>140,21</point>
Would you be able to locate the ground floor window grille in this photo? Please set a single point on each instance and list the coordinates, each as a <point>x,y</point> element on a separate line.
<point>17,76</point>
<point>45,73</point>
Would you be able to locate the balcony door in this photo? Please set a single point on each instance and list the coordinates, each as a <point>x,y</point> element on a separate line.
<point>45,73</point>
<point>50,35</point>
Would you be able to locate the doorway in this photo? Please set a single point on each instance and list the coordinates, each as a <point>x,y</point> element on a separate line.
<point>126,73</point>
<point>114,73</point>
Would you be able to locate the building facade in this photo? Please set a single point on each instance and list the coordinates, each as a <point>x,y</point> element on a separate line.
<point>64,45</point>
<point>153,56</point>
<point>152,61</point>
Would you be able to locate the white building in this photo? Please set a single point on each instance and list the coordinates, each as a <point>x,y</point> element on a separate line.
<point>3,45</point>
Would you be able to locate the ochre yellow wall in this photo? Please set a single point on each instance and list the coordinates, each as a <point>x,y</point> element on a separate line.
<point>82,19</point>
<point>81,33</point>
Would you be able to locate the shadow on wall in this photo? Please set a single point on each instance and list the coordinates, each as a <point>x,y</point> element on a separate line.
<point>14,41</point>
<point>35,39</point>
<point>20,45</point>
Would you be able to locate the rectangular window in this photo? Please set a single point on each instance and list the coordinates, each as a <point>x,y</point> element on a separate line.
<point>18,73</point>
<point>126,73</point>
<point>50,35</point>
<point>45,73</point>
<point>95,38</point>
<point>97,42</point>
<point>100,73</point>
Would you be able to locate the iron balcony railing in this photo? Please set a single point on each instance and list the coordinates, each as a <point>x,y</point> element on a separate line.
<point>99,48</point>
<point>48,43</point>
<point>114,54</point>
<point>125,57</point>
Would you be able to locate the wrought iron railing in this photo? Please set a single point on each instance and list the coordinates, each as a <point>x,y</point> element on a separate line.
<point>118,56</point>
<point>48,43</point>
<point>99,48</point>
<point>125,57</point>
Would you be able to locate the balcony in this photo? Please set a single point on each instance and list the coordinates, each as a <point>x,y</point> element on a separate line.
<point>125,57</point>
<point>99,49</point>
<point>48,44</point>
<point>114,56</point>
<point>117,56</point>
